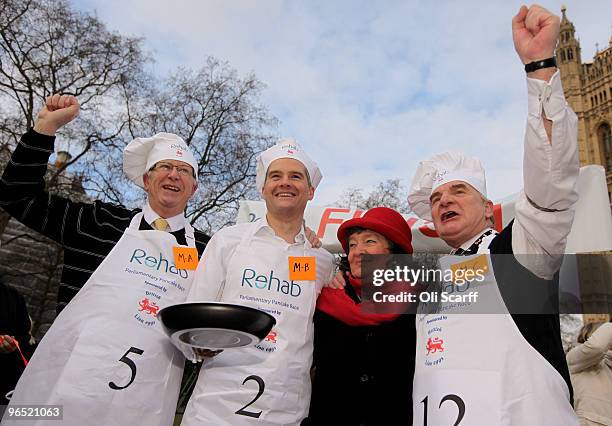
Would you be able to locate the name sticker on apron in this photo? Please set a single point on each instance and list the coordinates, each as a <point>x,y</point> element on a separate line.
<point>302,268</point>
<point>470,269</point>
<point>185,257</point>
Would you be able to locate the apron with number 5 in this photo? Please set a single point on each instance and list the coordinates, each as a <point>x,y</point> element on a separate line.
<point>268,383</point>
<point>106,358</point>
<point>477,368</point>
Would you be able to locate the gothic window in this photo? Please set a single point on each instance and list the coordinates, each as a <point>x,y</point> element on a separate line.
<point>570,54</point>
<point>562,56</point>
<point>605,139</point>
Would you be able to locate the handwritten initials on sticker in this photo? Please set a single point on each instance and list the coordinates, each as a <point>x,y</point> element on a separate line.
<point>185,257</point>
<point>303,268</point>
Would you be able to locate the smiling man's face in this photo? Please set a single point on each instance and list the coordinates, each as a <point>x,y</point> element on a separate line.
<point>459,212</point>
<point>169,190</point>
<point>287,188</point>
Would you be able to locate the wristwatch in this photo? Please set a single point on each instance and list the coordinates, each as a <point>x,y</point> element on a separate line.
<point>537,65</point>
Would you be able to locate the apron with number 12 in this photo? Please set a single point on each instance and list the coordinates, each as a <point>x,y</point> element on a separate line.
<point>268,383</point>
<point>477,369</point>
<point>106,358</point>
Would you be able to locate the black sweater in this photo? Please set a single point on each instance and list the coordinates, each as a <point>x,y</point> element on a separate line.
<point>363,375</point>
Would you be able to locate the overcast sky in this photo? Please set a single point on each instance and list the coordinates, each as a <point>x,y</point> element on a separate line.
<point>367,87</point>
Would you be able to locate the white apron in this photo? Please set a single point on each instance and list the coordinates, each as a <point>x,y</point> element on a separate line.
<point>477,369</point>
<point>106,358</point>
<point>268,383</point>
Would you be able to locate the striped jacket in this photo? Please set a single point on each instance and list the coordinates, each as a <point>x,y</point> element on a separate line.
<point>86,231</point>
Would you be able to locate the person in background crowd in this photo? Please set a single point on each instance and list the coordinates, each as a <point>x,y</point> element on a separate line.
<point>363,362</point>
<point>15,339</point>
<point>590,366</point>
<point>248,264</point>
<point>503,369</point>
<point>105,359</point>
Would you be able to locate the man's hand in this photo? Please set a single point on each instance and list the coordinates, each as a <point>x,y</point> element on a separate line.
<point>311,236</point>
<point>58,111</point>
<point>207,353</point>
<point>535,31</point>
<point>8,344</point>
<point>337,283</point>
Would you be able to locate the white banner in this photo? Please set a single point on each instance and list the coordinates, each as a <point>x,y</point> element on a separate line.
<point>591,232</point>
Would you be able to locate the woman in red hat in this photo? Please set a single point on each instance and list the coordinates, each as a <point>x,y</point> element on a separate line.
<point>364,362</point>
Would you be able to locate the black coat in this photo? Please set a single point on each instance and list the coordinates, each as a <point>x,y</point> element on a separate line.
<point>363,375</point>
<point>14,321</point>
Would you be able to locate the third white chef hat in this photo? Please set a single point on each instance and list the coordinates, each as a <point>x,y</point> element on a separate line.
<point>286,148</point>
<point>142,153</point>
<point>439,170</point>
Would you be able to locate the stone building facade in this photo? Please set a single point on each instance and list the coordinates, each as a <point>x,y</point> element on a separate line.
<point>588,89</point>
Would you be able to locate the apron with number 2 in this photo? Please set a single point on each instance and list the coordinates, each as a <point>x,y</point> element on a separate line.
<point>268,383</point>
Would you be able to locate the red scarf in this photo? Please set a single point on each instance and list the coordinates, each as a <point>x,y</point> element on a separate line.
<point>339,305</point>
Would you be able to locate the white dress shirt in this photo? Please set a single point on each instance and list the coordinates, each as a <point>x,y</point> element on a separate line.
<point>175,222</point>
<point>212,270</point>
<point>545,207</point>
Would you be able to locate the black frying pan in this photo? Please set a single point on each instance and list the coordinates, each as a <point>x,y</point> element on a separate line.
<point>215,325</point>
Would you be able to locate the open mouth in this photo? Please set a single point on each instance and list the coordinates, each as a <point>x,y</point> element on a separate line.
<point>171,188</point>
<point>448,215</point>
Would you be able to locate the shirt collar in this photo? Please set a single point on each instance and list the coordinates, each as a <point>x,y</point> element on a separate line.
<point>263,228</point>
<point>175,222</point>
<point>471,241</point>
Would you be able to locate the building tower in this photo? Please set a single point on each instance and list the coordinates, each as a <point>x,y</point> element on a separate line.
<point>588,89</point>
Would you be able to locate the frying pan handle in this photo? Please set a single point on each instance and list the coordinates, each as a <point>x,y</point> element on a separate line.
<point>187,351</point>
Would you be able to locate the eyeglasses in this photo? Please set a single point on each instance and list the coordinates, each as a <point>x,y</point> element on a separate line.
<point>167,168</point>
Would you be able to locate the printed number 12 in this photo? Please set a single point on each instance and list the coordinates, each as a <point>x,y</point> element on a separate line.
<point>451,397</point>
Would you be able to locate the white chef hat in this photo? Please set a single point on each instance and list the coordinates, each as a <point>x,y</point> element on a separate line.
<point>439,170</point>
<point>286,148</point>
<point>142,153</point>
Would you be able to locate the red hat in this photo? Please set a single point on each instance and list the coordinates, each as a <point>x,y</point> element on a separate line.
<point>383,220</point>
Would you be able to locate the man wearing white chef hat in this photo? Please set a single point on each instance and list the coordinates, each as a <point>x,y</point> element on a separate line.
<point>105,359</point>
<point>250,264</point>
<point>501,368</point>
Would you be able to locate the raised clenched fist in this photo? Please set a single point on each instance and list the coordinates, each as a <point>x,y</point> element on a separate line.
<point>535,31</point>
<point>57,112</point>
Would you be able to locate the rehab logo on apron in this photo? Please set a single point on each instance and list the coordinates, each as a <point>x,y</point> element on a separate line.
<point>155,285</point>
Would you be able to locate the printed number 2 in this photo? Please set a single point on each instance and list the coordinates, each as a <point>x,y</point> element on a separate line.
<point>130,364</point>
<point>262,386</point>
<point>456,399</point>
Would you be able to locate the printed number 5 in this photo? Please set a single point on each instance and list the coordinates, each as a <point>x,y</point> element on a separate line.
<point>130,364</point>
<point>262,386</point>
<point>451,397</point>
